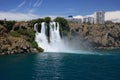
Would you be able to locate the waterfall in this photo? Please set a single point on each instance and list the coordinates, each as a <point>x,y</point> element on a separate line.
<point>56,43</point>
<point>42,40</point>
<point>54,32</point>
<point>36,27</point>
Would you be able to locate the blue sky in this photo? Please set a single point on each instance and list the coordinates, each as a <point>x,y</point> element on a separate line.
<point>35,8</point>
<point>59,7</point>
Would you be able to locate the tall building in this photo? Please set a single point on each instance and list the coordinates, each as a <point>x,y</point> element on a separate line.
<point>99,17</point>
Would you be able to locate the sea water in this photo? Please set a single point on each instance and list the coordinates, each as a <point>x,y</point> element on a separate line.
<point>105,65</point>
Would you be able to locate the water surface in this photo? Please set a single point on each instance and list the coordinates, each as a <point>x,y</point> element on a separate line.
<point>61,66</point>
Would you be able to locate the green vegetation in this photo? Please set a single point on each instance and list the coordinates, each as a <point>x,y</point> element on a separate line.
<point>9,25</point>
<point>32,22</point>
<point>47,19</point>
<point>117,24</point>
<point>28,35</point>
<point>64,27</point>
<point>15,34</point>
<point>34,44</point>
<point>1,22</point>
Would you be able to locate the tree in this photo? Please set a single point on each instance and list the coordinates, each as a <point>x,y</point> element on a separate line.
<point>47,19</point>
<point>40,20</point>
<point>9,25</point>
<point>64,27</point>
<point>1,22</point>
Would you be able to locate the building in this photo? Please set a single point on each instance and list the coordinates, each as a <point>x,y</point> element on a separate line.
<point>88,20</point>
<point>70,18</point>
<point>91,20</point>
<point>77,20</point>
<point>99,17</point>
<point>85,20</point>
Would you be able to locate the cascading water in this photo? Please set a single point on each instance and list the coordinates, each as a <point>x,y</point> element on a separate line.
<point>55,39</point>
<point>54,32</point>
<point>54,43</point>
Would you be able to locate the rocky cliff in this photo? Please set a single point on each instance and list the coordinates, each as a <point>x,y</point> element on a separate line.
<point>99,36</point>
<point>17,40</point>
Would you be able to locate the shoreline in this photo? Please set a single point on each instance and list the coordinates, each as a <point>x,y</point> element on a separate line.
<point>35,51</point>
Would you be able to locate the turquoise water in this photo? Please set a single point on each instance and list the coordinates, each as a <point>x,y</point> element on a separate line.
<point>103,65</point>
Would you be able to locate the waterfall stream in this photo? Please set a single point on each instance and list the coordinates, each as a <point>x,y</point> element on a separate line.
<point>55,43</point>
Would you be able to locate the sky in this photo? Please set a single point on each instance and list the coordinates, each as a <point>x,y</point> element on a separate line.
<point>40,8</point>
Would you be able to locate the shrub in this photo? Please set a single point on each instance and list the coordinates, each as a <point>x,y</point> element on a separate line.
<point>29,34</point>
<point>9,25</point>
<point>15,34</point>
<point>1,22</point>
<point>34,44</point>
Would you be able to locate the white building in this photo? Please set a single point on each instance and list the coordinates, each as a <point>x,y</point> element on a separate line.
<point>99,17</point>
<point>88,20</point>
<point>91,20</point>
<point>78,20</point>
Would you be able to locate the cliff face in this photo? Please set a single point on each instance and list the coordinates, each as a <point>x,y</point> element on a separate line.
<point>13,42</point>
<point>99,36</point>
<point>11,45</point>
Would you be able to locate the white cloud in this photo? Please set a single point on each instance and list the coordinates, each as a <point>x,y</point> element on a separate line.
<point>21,4</point>
<point>110,15</point>
<point>21,16</point>
<point>17,16</point>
